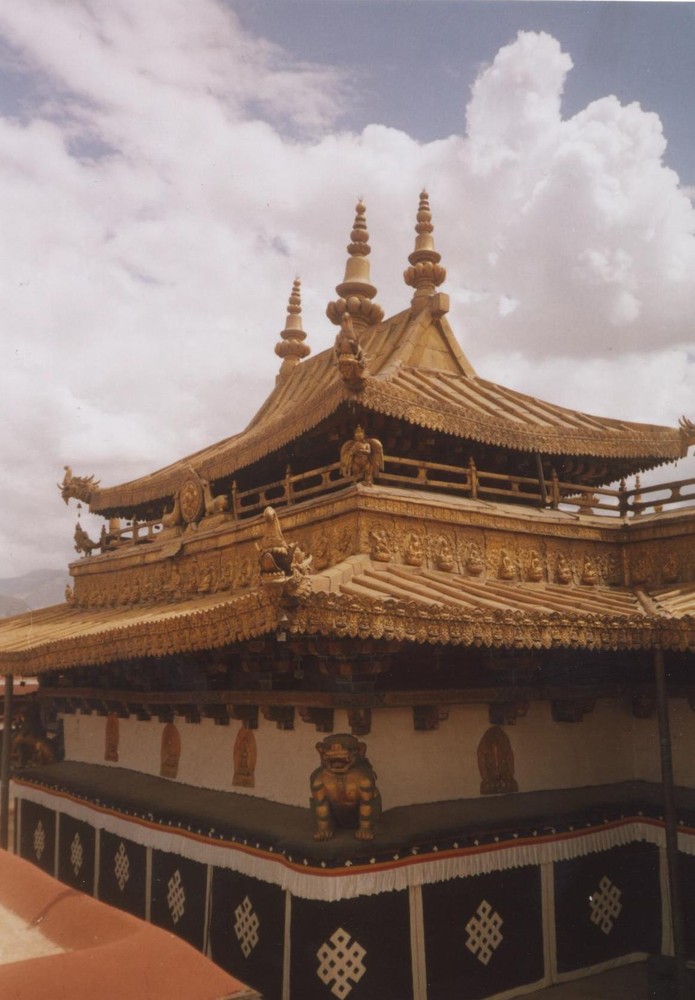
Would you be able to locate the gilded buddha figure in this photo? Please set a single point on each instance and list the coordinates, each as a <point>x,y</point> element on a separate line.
<point>361,458</point>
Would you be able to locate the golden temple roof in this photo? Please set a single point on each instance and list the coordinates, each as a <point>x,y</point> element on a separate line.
<point>416,373</point>
<point>365,599</point>
<point>409,368</point>
<point>199,585</point>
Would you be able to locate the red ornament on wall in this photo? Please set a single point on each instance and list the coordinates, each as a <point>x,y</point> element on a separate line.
<point>171,751</point>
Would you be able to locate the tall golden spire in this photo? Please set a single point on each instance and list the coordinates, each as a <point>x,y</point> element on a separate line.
<point>425,272</point>
<point>292,347</point>
<point>356,291</point>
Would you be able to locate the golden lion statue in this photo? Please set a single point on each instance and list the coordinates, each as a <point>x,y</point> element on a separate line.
<point>343,789</point>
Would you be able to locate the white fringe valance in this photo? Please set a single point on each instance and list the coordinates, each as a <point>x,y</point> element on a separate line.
<point>403,871</point>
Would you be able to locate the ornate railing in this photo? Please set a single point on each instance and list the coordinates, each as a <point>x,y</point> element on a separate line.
<point>467,481</point>
<point>478,484</point>
<point>291,489</point>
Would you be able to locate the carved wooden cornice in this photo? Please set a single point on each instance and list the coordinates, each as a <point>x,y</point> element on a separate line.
<point>351,616</point>
<point>94,638</point>
<point>396,398</point>
<point>290,709</point>
<point>275,704</point>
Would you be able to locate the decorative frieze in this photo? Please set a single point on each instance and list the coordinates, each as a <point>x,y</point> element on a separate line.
<point>390,530</point>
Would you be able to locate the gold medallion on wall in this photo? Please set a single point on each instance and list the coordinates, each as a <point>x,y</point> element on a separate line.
<point>192,499</point>
<point>245,758</point>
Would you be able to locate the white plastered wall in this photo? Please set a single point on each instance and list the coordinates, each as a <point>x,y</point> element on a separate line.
<point>646,745</point>
<point>609,745</point>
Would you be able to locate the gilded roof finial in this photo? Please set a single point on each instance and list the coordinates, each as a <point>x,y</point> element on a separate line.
<point>292,347</point>
<point>425,272</point>
<point>356,291</point>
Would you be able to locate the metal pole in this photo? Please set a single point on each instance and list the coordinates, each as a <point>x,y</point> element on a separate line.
<point>6,759</point>
<point>670,826</point>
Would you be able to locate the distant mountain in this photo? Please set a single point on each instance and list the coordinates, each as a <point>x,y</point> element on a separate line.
<point>38,589</point>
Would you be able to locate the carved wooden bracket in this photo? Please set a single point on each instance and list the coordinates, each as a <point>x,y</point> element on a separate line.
<point>322,718</point>
<point>118,708</point>
<point>571,709</point>
<point>360,720</point>
<point>644,705</point>
<point>352,665</point>
<point>354,673</point>
<point>505,713</point>
<point>248,714</point>
<point>258,669</point>
<point>281,715</point>
<point>428,717</point>
<point>191,713</point>
<point>218,713</point>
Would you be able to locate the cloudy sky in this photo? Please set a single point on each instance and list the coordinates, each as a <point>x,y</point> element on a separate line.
<point>168,167</point>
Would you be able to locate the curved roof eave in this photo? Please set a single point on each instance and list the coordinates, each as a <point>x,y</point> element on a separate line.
<point>418,374</point>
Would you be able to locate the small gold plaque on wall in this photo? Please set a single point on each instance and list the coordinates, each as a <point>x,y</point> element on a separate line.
<point>171,751</point>
<point>245,758</point>
<point>111,737</point>
<point>496,763</point>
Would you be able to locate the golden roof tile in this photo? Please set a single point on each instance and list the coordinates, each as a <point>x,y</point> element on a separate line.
<point>359,597</point>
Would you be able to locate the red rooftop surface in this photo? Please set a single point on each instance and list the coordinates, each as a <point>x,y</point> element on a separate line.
<point>107,953</point>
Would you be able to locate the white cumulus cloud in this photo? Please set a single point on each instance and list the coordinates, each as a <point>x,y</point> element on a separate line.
<point>165,175</point>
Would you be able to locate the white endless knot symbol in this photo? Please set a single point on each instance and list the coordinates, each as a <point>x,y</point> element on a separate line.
<point>340,963</point>
<point>39,840</point>
<point>246,927</point>
<point>484,935</point>
<point>76,853</point>
<point>121,866</point>
<point>605,905</point>
<point>176,897</point>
